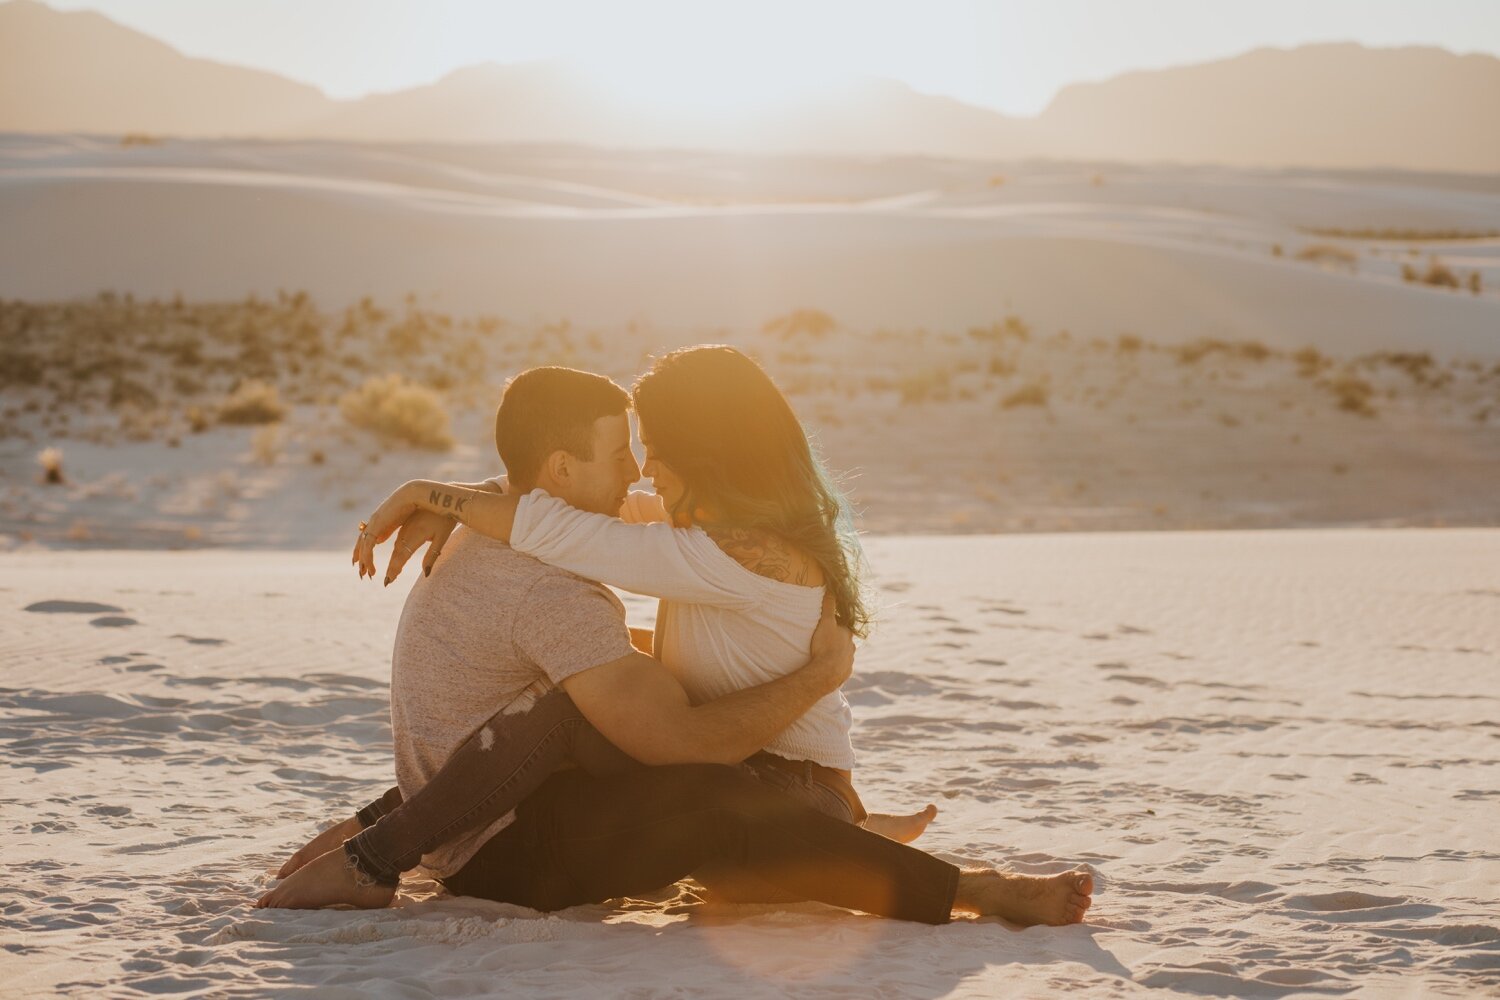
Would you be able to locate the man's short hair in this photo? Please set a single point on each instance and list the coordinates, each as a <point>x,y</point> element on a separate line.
<point>551,409</point>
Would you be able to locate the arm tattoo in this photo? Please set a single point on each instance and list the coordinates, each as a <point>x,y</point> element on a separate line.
<point>762,554</point>
<point>444,502</point>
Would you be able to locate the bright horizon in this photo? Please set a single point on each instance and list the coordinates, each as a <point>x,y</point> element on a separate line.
<point>1009,57</point>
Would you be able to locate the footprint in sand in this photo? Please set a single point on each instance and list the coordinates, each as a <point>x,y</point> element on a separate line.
<point>72,608</point>
<point>1338,902</point>
<point>197,641</point>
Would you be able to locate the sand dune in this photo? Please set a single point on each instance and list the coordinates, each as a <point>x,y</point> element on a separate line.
<point>1173,255</point>
<point>1276,750</point>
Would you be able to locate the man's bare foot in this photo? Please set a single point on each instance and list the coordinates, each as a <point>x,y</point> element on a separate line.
<point>324,842</point>
<point>1026,899</point>
<point>325,881</point>
<point>902,829</point>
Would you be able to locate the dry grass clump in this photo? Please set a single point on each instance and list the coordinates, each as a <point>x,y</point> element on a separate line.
<point>1030,394</point>
<point>814,323</point>
<point>1195,351</point>
<point>1310,361</point>
<point>1353,394</point>
<point>252,402</point>
<point>1438,274</point>
<point>399,411</point>
<point>1418,365</point>
<point>1011,327</point>
<point>1000,367</point>
<point>50,459</point>
<point>266,444</point>
<point>932,385</point>
<point>1406,235</point>
<point>1328,253</point>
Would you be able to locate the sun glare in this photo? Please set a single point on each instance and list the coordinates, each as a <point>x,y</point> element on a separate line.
<point>703,83</point>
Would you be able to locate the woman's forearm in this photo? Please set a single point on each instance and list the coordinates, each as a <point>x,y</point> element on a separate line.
<point>489,513</point>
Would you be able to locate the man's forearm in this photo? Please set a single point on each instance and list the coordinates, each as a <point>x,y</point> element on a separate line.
<point>729,729</point>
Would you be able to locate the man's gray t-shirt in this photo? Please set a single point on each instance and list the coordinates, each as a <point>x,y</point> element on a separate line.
<point>490,628</point>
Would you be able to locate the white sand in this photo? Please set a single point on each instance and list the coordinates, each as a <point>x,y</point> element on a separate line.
<point>686,239</point>
<point>1277,748</point>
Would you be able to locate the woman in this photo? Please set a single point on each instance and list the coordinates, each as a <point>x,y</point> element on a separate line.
<point>741,540</point>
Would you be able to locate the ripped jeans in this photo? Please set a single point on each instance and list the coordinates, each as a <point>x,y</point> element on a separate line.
<point>511,755</point>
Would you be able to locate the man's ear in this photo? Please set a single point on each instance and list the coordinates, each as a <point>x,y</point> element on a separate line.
<point>559,466</point>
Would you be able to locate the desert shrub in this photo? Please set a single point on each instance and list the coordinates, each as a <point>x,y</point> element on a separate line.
<point>1030,394</point>
<point>1197,350</point>
<point>1404,235</point>
<point>1353,394</point>
<point>1328,253</point>
<point>1417,364</point>
<point>1438,274</point>
<point>813,323</point>
<point>266,444</point>
<point>128,392</point>
<point>921,387</point>
<point>1000,367</point>
<point>397,410</point>
<point>252,402</point>
<point>50,459</point>
<point>1128,343</point>
<point>1310,361</point>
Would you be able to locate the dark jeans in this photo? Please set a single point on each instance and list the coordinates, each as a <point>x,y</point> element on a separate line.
<point>510,756</point>
<point>498,766</point>
<point>582,839</point>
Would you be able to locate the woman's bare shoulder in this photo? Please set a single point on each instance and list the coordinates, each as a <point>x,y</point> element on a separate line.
<point>767,555</point>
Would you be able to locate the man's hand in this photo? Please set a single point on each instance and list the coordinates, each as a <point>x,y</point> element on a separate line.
<point>422,528</point>
<point>831,651</point>
<point>324,842</point>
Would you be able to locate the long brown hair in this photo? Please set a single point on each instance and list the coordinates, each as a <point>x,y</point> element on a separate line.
<point>720,423</point>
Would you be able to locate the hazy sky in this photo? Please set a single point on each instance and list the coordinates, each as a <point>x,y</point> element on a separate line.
<point>1011,56</point>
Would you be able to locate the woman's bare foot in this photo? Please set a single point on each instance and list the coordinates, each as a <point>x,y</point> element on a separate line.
<point>325,881</point>
<point>1026,899</point>
<point>902,829</point>
<point>326,841</point>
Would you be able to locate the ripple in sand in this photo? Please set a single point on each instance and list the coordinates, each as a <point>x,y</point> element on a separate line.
<point>71,608</point>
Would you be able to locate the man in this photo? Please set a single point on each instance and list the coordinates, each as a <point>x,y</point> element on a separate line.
<point>495,628</point>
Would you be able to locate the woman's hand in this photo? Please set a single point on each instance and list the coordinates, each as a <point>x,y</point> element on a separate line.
<point>485,511</point>
<point>389,516</point>
<point>422,528</point>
